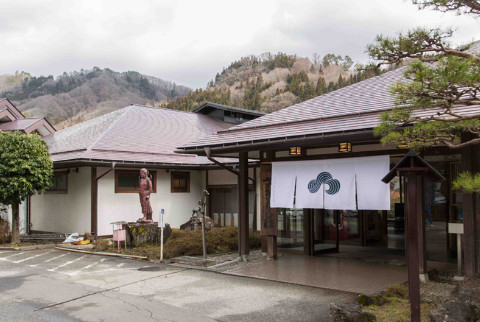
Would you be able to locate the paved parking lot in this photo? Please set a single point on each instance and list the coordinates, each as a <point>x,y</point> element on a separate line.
<point>70,263</point>
<point>54,285</point>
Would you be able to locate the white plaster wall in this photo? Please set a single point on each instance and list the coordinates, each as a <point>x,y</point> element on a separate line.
<point>65,213</point>
<point>224,177</point>
<point>126,206</point>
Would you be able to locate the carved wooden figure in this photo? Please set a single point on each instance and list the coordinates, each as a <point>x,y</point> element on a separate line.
<point>144,190</point>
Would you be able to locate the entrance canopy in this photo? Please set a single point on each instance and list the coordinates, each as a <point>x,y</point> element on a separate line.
<point>347,184</point>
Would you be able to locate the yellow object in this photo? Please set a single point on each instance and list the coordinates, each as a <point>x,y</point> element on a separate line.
<point>82,242</point>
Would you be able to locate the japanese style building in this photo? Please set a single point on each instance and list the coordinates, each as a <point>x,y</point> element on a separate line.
<point>11,119</point>
<point>330,131</point>
<point>97,165</point>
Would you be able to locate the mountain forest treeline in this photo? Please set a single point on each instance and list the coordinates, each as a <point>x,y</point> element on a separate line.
<point>273,81</point>
<point>267,82</point>
<point>77,96</point>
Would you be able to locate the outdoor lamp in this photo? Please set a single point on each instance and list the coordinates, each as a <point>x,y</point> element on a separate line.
<point>345,147</point>
<point>295,150</point>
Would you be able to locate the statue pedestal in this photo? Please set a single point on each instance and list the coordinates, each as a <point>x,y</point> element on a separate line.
<point>145,233</point>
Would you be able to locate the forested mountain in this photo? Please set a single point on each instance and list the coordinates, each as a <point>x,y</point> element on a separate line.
<point>75,97</point>
<point>273,81</point>
<point>267,82</point>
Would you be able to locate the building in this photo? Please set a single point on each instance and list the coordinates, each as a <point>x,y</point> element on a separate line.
<point>338,127</point>
<point>11,119</point>
<point>97,167</point>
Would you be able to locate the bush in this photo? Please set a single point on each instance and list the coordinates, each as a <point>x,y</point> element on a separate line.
<point>102,245</point>
<point>219,240</point>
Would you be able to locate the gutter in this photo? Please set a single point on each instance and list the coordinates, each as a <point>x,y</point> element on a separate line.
<point>252,145</point>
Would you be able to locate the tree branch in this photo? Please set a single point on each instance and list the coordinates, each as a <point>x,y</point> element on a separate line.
<point>462,145</point>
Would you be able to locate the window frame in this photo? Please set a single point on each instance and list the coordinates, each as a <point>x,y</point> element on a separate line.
<point>186,175</point>
<point>59,191</point>
<point>137,173</point>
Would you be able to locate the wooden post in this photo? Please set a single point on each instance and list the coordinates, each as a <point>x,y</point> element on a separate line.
<point>308,239</point>
<point>413,247</point>
<point>420,222</point>
<point>269,222</point>
<point>411,166</point>
<point>243,205</point>
<point>94,200</point>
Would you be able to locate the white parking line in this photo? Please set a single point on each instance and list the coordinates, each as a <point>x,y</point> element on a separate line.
<point>94,264</point>
<point>26,259</point>
<point>86,267</point>
<point>66,264</point>
<point>6,258</point>
<point>54,258</point>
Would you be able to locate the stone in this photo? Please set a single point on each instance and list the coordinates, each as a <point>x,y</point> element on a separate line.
<point>350,312</point>
<point>194,261</point>
<point>196,223</point>
<point>146,233</point>
<point>455,311</point>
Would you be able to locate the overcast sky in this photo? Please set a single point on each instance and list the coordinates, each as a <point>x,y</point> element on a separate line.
<point>189,41</point>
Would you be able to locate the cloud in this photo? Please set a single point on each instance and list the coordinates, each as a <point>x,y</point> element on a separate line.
<point>190,41</point>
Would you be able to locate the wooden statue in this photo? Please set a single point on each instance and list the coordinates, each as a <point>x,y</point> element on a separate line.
<point>144,190</point>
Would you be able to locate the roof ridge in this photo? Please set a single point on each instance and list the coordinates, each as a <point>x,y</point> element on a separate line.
<point>162,108</point>
<point>230,130</point>
<point>108,128</point>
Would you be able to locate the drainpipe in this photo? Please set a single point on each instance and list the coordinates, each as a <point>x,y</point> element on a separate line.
<point>107,172</point>
<point>94,197</point>
<point>208,153</point>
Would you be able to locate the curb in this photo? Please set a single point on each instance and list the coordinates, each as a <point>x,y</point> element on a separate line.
<point>33,247</point>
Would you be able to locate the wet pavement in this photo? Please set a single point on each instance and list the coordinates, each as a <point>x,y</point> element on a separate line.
<point>56,285</point>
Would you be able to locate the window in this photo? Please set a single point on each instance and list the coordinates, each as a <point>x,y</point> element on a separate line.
<point>59,182</point>
<point>126,181</point>
<point>180,182</point>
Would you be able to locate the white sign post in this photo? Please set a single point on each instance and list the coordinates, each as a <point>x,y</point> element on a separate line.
<point>457,228</point>
<point>161,224</point>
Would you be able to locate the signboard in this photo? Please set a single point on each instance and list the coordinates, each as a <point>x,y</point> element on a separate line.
<point>161,218</point>
<point>269,221</point>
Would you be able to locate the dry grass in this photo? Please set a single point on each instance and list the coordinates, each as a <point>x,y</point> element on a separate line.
<point>397,310</point>
<point>397,306</point>
<point>189,243</point>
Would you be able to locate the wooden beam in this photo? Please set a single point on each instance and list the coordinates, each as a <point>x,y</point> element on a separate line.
<point>243,205</point>
<point>94,200</point>
<point>422,258</point>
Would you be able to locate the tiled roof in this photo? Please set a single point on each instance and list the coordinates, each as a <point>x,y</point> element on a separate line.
<point>352,108</point>
<point>366,96</point>
<point>19,125</point>
<point>228,108</point>
<point>136,134</point>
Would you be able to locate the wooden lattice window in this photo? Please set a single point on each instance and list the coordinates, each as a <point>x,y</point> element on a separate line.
<point>126,181</point>
<point>180,182</point>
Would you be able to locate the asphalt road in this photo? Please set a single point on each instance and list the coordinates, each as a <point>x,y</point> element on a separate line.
<point>54,285</point>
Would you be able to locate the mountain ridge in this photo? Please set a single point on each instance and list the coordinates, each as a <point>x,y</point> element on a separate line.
<point>74,97</point>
